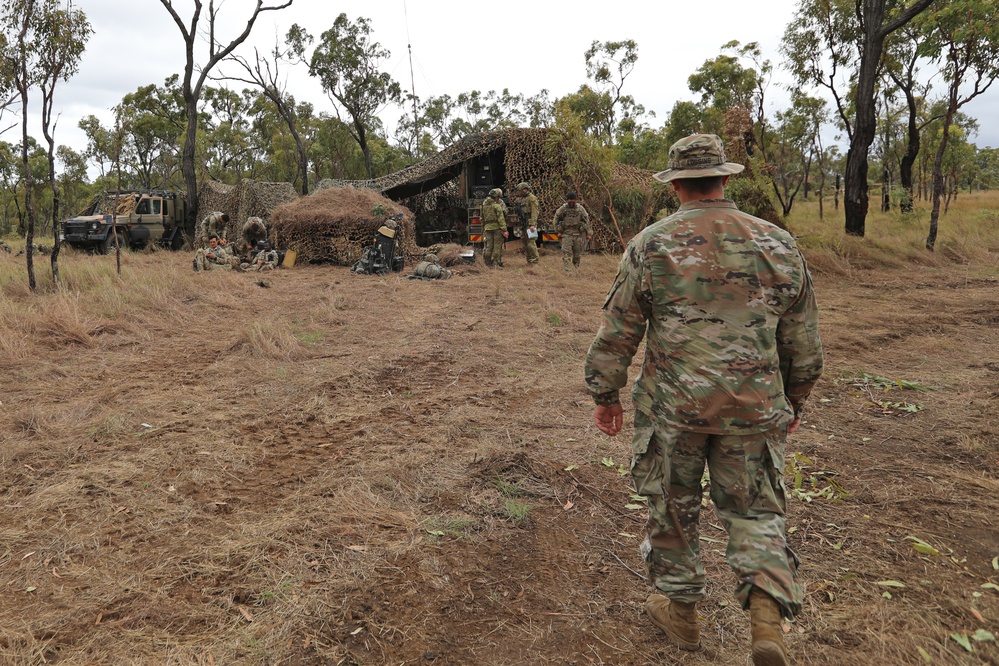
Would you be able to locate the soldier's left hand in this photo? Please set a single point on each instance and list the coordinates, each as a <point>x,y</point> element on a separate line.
<point>609,419</point>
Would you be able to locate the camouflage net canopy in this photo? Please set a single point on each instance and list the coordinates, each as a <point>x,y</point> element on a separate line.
<point>334,224</point>
<point>111,203</point>
<point>431,188</point>
<point>248,199</point>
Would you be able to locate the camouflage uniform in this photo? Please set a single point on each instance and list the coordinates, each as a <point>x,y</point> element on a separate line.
<point>732,353</point>
<point>430,269</point>
<point>493,225</point>
<point>212,224</point>
<point>528,211</point>
<point>203,262</point>
<point>266,260</point>
<point>253,231</point>
<point>572,222</point>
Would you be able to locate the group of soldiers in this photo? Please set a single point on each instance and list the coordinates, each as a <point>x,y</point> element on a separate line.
<point>253,253</point>
<point>571,221</point>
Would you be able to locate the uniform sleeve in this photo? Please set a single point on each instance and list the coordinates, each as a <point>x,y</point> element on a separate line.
<point>532,220</point>
<point>557,220</point>
<point>625,315</point>
<point>799,346</point>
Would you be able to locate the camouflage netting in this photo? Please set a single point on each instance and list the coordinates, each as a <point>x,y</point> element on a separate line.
<point>637,197</point>
<point>107,203</point>
<point>334,224</point>
<point>248,199</point>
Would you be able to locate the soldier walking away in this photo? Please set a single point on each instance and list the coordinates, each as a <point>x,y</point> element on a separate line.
<point>732,353</point>
<point>493,228</point>
<point>572,223</point>
<point>430,269</point>
<point>527,210</point>
<point>213,224</point>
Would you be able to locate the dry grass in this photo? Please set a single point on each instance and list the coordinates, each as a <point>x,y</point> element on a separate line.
<point>347,469</point>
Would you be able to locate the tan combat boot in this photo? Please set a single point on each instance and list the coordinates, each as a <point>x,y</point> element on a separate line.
<point>677,619</point>
<point>768,638</point>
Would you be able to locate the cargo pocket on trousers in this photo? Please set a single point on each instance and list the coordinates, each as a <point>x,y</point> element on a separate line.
<point>646,461</point>
<point>774,465</point>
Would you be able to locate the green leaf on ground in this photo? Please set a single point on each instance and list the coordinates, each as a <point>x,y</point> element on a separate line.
<point>995,562</point>
<point>890,583</point>
<point>983,636</point>
<point>634,507</point>
<point>963,641</point>
<point>990,586</point>
<point>925,655</point>
<point>571,468</point>
<point>607,462</point>
<point>922,547</point>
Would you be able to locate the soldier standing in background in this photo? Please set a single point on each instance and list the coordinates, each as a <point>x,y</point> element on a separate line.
<point>527,210</point>
<point>572,223</point>
<point>493,228</point>
<point>213,224</point>
<point>732,353</point>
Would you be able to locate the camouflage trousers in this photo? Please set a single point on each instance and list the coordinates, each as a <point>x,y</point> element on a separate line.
<point>747,488</point>
<point>572,250</point>
<point>492,247</point>
<point>530,249</point>
<point>202,262</point>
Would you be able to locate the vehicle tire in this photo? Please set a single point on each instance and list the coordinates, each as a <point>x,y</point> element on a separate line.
<point>107,247</point>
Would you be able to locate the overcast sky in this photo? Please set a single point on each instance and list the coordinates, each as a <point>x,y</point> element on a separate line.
<point>457,46</point>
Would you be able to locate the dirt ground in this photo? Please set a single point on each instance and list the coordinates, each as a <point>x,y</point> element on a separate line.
<point>326,468</point>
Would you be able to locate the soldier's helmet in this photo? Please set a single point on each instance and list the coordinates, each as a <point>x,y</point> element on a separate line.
<point>524,186</point>
<point>496,193</point>
<point>432,258</point>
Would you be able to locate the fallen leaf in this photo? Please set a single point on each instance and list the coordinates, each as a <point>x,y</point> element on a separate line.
<point>890,583</point>
<point>921,546</point>
<point>886,594</point>
<point>977,615</point>
<point>357,631</point>
<point>634,507</point>
<point>990,586</point>
<point>568,505</point>
<point>925,655</point>
<point>962,640</point>
<point>145,425</point>
<point>247,614</point>
<point>995,562</point>
<point>30,588</point>
<point>983,636</point>
<point>570,468</point>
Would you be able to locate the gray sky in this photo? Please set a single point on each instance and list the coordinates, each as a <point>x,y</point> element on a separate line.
<point>457,46</point>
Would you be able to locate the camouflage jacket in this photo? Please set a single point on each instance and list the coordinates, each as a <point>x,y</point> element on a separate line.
<point>573,220</point>
<point>213,224</point>
<point>266,258</point>
<point>493,214</point>
<point>733,341</point>
<point>529,210</point>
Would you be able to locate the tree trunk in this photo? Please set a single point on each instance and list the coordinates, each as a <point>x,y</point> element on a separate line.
<point>912,150</point>
<point>885,190</point>
<point>187,164</point>
<point>836,195</point>
<point>938,178</point>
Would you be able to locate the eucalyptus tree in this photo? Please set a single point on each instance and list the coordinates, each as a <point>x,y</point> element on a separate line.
<point>830,38</point>
<point>63,37</point>
<point>265,73</point>
<point>348,65</point>
<point>964,35</point>
<point>196,72</point>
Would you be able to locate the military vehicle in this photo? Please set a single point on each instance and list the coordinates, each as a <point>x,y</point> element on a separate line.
<point>481,174</point>
<point>136,217</point>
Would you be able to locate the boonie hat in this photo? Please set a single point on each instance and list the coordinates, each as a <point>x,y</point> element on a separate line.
<point>698,156</point>
<point>523,186</point>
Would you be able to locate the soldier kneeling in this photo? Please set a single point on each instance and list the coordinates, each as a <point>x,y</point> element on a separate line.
<point>430,269</point>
